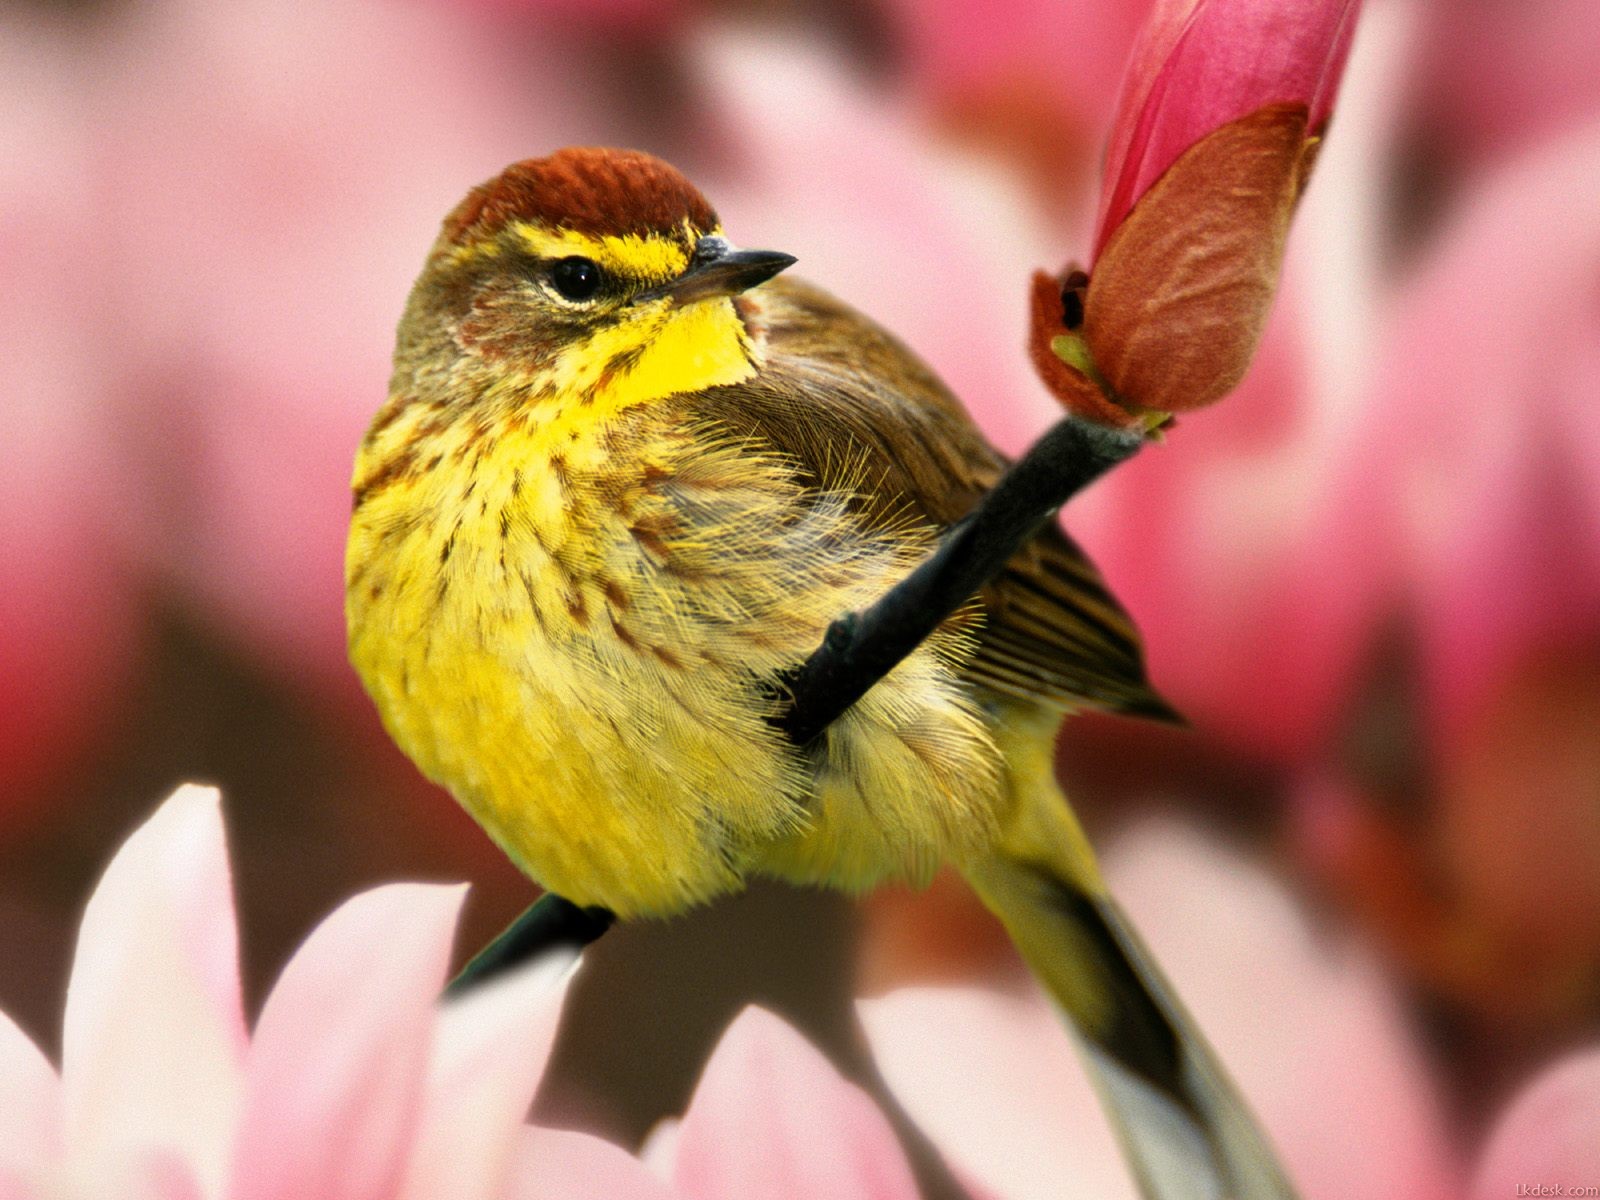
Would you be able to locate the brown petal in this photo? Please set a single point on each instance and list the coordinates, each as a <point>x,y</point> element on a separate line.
<point>1177,300</point>
<point>1077,392</point>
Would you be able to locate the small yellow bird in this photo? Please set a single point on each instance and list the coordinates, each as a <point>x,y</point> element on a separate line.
<point>625,478</point>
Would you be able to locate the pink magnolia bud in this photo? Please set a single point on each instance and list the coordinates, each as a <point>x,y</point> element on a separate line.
<point>1216,130</point>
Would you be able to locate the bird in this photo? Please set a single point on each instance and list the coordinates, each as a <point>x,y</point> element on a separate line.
<point>625,477</point>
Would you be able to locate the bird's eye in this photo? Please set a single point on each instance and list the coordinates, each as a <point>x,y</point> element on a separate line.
<point>576,278</point>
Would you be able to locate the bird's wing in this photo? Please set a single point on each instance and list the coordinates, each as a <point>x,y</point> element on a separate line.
<point>843,400</point>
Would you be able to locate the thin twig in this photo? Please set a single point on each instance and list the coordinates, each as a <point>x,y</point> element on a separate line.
<point>861,648</point>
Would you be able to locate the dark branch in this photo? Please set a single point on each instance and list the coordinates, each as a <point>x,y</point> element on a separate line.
<point>861,648</point>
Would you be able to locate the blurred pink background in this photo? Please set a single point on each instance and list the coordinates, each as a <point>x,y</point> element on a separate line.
<point>1371,578</point>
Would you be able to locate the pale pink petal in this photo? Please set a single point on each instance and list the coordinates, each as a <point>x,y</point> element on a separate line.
<point>153,1033</point>
<point>488,1054</point>
<point>151,1177</point>
<point>772,1118</point>
<point>30,1104</point>
<point>1308,1027</point>
<point>1550,1134</point>
<point>1202,63</point>
<point>660,1149</point>
<point>1311,1030</point>
<point>993,1078</point>
<point>336,1070</point>
<point>554,1164</point>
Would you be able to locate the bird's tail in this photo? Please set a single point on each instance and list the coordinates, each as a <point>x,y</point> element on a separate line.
<point>1185,1130</point>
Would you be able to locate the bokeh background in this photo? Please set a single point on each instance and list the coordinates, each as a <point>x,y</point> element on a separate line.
<point>1371,578</point>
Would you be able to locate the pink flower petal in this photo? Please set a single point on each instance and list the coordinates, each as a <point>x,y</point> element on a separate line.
<point>1203,63</point>
<point>660,1148</point>
<point>336,1071</point>
<point>554,1164</point>
<point>1256,582</point>
<point>1275,545</point>
<point>338,134</point>
<point>153,1177</point>
<point>994,1080</point>
<point>630,19</point>
<point>1497,453</point>
<point>30,1104</point>
<point>154,1032</point>
<point>489,1052</point>
<point>1549,1135</point>
<point>68,623</point>
<point>1478,97</point>
<point>772,1118</point>
<point>1312,1032</point>
<point>1490,449</point>
<point>1309,1029</point>
<point>963,50</point>
<point>846,205</point>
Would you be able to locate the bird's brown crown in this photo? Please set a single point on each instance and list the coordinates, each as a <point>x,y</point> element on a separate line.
<point>590,190</point>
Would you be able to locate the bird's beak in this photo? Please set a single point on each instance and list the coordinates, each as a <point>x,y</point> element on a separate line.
<point>717,269</point>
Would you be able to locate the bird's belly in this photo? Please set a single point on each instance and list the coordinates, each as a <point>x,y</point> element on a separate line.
<point>607,716</point>
<point>614,771</point>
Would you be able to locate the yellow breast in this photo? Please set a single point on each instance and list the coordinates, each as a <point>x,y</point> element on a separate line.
<point>574,627</point>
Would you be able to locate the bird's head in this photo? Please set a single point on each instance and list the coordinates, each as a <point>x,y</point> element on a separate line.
<point>592,275</point>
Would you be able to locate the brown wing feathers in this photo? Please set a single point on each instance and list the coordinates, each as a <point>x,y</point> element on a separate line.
<point>836,388</point>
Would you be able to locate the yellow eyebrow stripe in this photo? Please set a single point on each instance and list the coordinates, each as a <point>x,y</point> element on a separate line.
<point>630,255</point>
<point>651,258</point>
